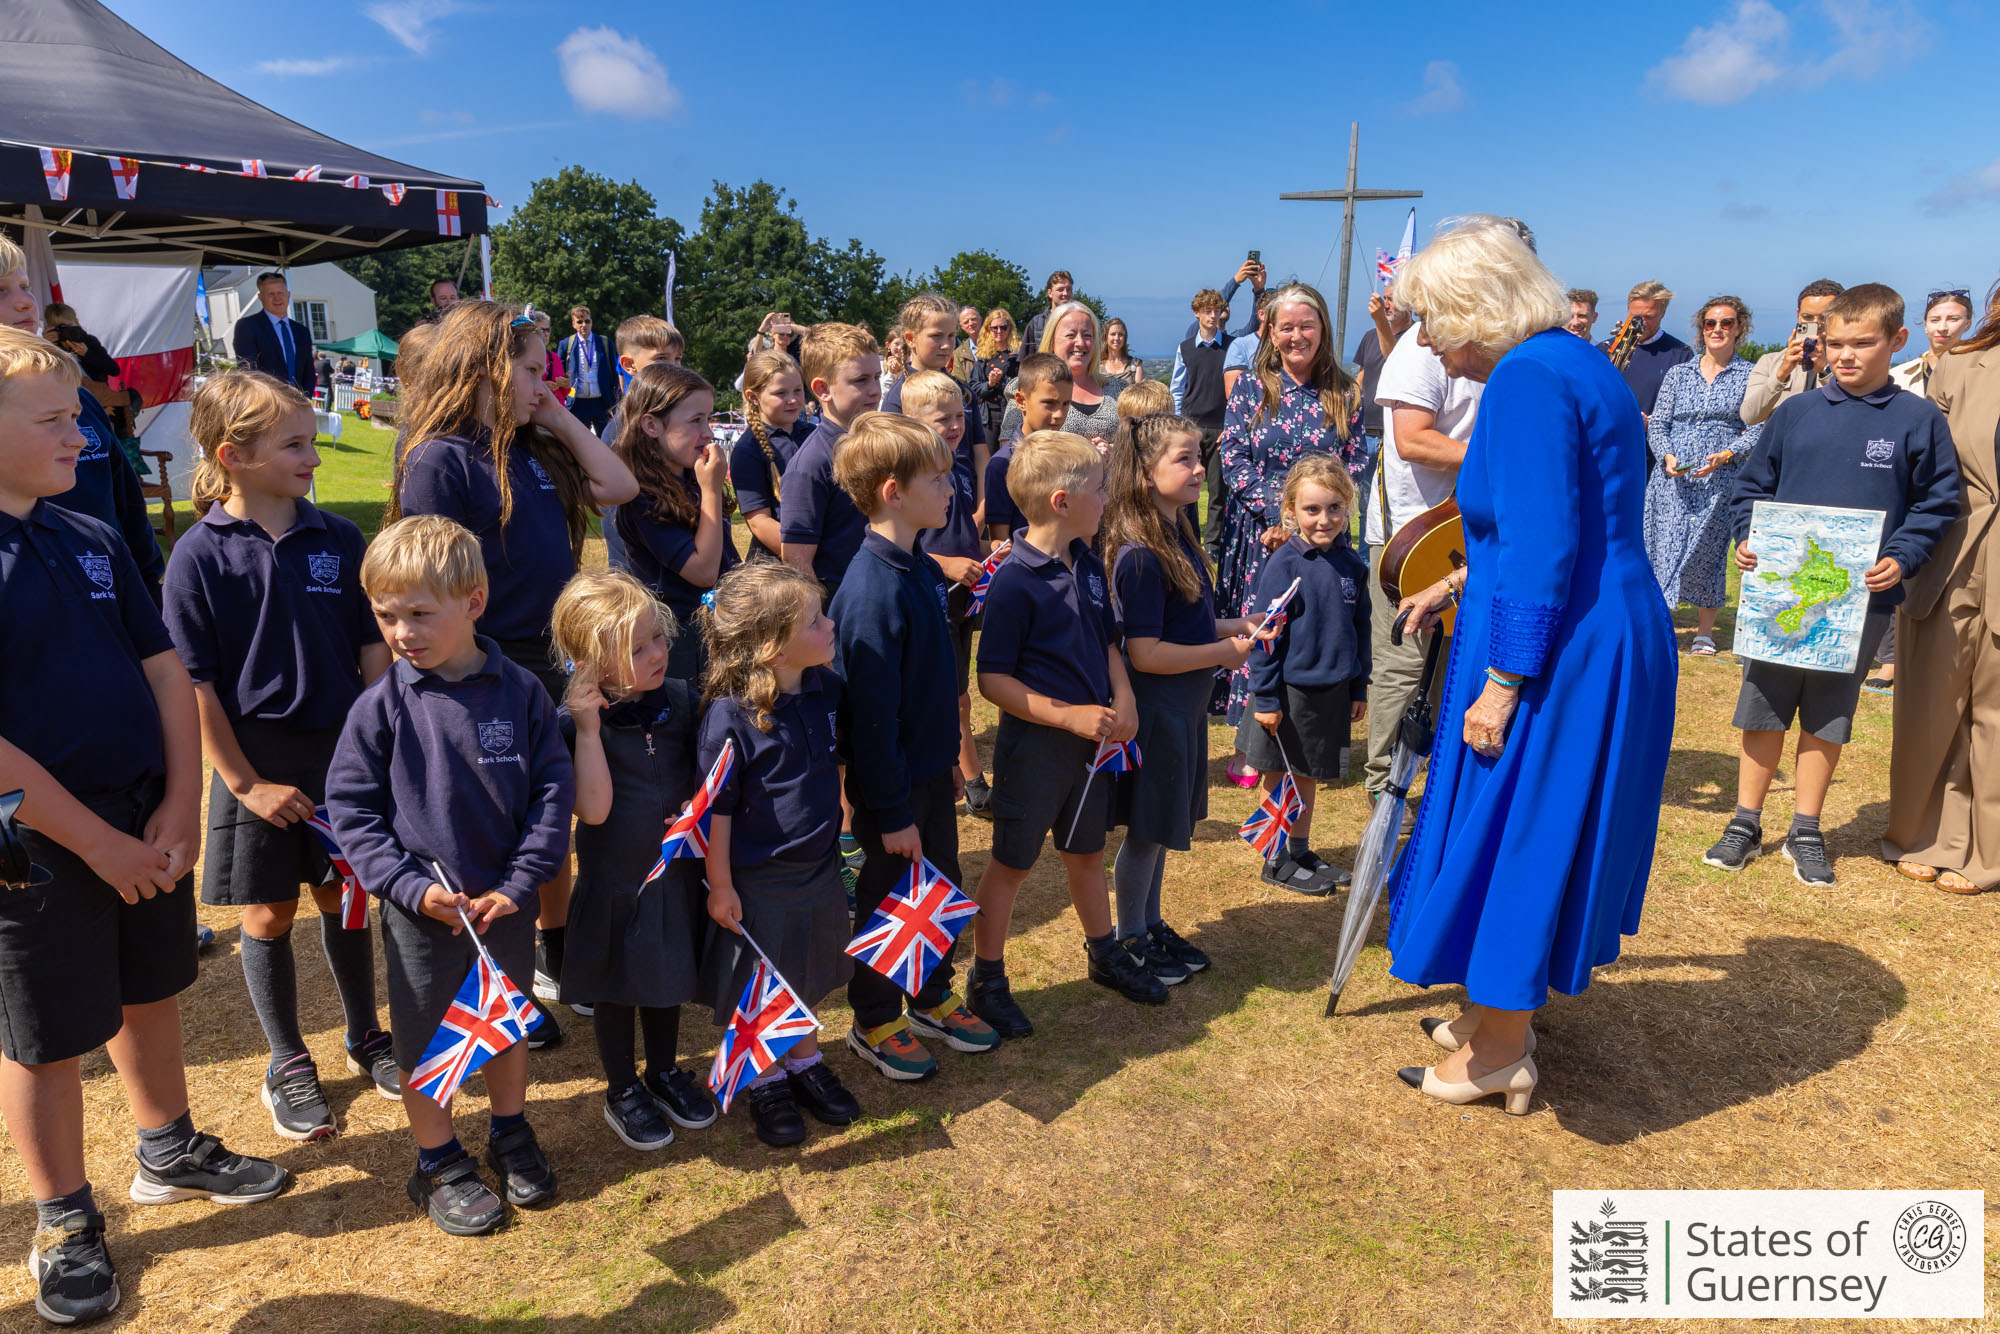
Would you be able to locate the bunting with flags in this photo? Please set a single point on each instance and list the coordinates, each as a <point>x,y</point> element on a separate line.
<point>447,208</point>
<point>196,166</point>
<point>307,173</point>
<point>254,166</point>
<point>125,176</point>
<point>55,171</point>
<point>394,192</point>
<point>355,182</point>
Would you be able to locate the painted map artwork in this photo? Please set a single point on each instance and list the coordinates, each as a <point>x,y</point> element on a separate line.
<point>1804,604</point>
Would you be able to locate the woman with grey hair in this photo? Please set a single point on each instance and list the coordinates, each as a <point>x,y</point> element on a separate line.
<point>1532,847</point>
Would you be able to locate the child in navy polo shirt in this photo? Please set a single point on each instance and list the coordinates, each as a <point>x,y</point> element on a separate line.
<point>1311,687</point>
<point>1049,661</point>
<point>1042,392</point>
<point>264,601</point>
<point>1165,597</point>
<point>631,935</point>
<point>96,953</point>
<point>773,865</point>
<point>774,396</point>
<point>677,531</point>
<point>820,528</point>
<point>489,446</point>
<point>1857,442</point>
<point>452,759</point>
<point>902,723</point>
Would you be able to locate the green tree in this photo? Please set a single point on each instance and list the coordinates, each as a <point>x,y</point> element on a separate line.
<point>584,239</point>
<point>402,280</point>
<point>984,280</point>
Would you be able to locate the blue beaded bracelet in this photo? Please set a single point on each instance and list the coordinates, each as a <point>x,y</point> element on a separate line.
<point>1499,678</point>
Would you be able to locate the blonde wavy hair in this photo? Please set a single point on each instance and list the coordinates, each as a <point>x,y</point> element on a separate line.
<point>1063,312</point>
<point>754,610</point>
<point>23,353</point>
<point>598,618</point>
<point>989,345</point>
<point>1478,285</point>
<point>238,408</point>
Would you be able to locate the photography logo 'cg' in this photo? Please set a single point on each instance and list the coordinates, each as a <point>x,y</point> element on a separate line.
<point>1745,1254</point>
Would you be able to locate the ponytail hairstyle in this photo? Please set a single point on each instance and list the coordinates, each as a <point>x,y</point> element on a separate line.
<point>600,618</point>
<point>1339,394</point>
<point>237,408</point>
<point>1132,519</point>
<point>746,623</point>
<point>656,391</point>
<point>758,372</point>
<point>473,350</point>
<point>911,318</point>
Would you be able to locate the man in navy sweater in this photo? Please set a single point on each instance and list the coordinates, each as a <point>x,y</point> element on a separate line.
<point>1856,442</point>
<point>1657,352</point>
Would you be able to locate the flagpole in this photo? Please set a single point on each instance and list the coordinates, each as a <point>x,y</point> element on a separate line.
<point>477,943</point>
<point>775,973</point>
<point>1089,773</point>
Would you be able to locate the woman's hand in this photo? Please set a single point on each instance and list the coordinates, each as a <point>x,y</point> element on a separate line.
<point>993,378</point>
<point>1714,461</point>
<point>1487,717</point>
<point>1425,605</point>
<point>1274,538</point>
<point>1672,463</point>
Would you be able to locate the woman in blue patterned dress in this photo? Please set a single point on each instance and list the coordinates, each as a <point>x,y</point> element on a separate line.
<point>1697,438</point>
<point>1295,400</point>
<point>1531,850</point>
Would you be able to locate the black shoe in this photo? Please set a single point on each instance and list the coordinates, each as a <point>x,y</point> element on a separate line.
<point>1158,962</point>
<point>298,1107</point>
<point>456,1199</point>
<point>1288,874</point>
<point>548,1033</point>
<point>376,1058</point>
<point>979,799</point>
<point>74,1280</point>
<point>994,1002</point>
<point>207,1171</point>
<point>523,1169</point>
<point>546,986</point>
<point>820,1092</point>
<point>1168,939</point>
<point>1124,972</point>
<point>636,1119</point>
<point>774,1116</point>
<point>1330,875</point>
<point>1805,849</point>
<point>1740,844</point>
<point>686,1101</point>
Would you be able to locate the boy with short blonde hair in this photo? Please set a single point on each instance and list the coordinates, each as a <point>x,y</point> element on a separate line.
<point>1148,398</point>
<point>819,526</point>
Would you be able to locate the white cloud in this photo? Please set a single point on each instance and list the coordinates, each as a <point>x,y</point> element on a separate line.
<point>1979,186</point>
<point>992,93</point>
<point>1729,60</point>
<point>607,71</point>
<point>302,68</point>
<point>1441,91</point>
<point>1868,38</point>
<point>409,21</point>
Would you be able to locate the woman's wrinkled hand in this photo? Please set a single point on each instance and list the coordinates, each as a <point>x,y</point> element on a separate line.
<point>1486,718</point>
<point>1425,605</point>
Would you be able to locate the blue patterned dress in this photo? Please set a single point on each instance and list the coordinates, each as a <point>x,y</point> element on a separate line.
<point>1687,518</point>
<point>1256,451</point>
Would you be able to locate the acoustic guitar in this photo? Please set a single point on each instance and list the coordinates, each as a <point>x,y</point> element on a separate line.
<point>1423,551</point>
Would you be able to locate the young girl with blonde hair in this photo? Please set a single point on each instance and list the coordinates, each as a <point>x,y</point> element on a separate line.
<point>774,399</point>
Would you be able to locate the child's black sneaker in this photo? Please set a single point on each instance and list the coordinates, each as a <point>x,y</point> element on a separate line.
<point>820,1092</point>
<point>1287,873</point>
<point>548,1033</point>
<point>1333,877</point>
<point>994,1002</point>
<point>636,1119</point>
<point>1124,972</point>
<point>297,1105</point>
<point>376,1058</point>
<point>521,1166</point>
<point>1168,939</point>
<point>1805,849</point>
<point>1158,962</point>
<point>74,1280</point>
<point>1741,843</point>
<point>686,1101</point>
<point>774,1115</point>
<point>207,1171</point>
<point>456,1199</point>
<point>546,986</point>
<point>979,798</point>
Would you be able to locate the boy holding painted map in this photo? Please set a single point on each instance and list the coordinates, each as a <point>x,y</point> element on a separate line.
<point>1856,443</point>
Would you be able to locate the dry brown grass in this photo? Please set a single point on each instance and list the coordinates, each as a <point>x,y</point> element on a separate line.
<point>1232,1161</point>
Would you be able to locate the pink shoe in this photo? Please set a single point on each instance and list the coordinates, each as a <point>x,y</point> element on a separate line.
<point>1242,777</point>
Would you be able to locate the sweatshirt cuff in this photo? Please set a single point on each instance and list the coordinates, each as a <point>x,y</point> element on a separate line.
<point>406,890</point>
<point>1266,703</point>
<point>520,889</point>
<point>891,819</point>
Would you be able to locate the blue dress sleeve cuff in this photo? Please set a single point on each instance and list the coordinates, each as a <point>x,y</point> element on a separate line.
<point>1523,633</point>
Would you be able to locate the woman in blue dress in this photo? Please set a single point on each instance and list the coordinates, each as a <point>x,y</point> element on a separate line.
<point>1531,850</point>
<point>1696,436</point>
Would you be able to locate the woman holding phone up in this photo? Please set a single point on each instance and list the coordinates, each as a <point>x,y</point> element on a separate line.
<point>1696,431</point>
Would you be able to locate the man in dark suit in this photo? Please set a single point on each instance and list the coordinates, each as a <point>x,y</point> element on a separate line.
<point>592,368</point>
<point>269,340</point>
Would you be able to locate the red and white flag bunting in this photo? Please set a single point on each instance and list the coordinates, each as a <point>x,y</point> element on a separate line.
<point>355,182</point>
<point>307,173</point>
<point>394,192</point>
<point>58,162</point>
<point>55,170</point>
<point>254,166</point>
<point>447,208</point>
<point>196,166</point>
<point>125,175</point>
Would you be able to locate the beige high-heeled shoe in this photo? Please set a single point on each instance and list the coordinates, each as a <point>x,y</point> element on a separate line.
<point>1446,1035</point>
<point>1515,1082</point>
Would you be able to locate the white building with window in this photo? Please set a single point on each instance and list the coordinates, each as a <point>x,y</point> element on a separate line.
<point>332,303</point>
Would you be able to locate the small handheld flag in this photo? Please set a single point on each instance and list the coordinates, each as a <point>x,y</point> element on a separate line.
<point>769,1020</point>
<point>1117,757</point>
<point>353,899</point>
<point>985,579</point>
<point>1271,822</point>
<point>913,929</point>
<point>486,1017</point>
<point>687,833</point>
<point>1279,612</point>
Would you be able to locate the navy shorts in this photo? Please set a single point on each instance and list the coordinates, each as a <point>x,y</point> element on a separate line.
<point>1823,702</point>
<point>1039,782</point>
<point>427,964</point>
<point>958,601</point>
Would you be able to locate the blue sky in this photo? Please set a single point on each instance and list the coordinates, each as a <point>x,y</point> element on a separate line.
<point>1746,146</point>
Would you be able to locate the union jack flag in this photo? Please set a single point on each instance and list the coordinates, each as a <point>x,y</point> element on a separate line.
<point>486,1017</point>
<point>769,1019</point>
<point>55,171</point>
<point>394,192</point>
<point>353,899</point>
<point>985,579</point>
<point>1268,825</point>
<point>1116,757</point>
<point>448,223</point>
<point>125,176</point>
<point>1279,612</point>
<point>254,166</point>
<point>1385,266</point>
<point>687,833</point>
<point>910,933</point>
<point>307,173</point>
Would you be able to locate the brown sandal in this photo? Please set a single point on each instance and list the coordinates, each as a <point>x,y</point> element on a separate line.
<point>1963,886</point>
<point>1907,870</point>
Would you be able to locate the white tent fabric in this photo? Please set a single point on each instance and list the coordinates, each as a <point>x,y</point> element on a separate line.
<point>135,307</point>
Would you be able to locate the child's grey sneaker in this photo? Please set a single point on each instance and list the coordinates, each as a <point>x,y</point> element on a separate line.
<point>1806,851</point>
<point>456,1199</point>
<point>376,1058</point>
<point>1741,843</point>
<point>207,1171</point>
<point>296,1102</point>
<point>74,1280</point>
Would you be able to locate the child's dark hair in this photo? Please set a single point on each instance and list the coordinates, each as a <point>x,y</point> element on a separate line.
<point>755,608</point>
<point>1876,303</point>
<point>1131,518</point>
<point>1040,368</point>
<point>655,392</point>
<point>758,372</point>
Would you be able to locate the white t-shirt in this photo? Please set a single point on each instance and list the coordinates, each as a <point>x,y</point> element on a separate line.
<point>1413,374</point>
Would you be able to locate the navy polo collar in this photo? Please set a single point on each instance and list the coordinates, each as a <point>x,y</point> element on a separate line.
<point>409,674</point>
<point>1029,554</point>
<point>888,552</point>
<point>38,516</point>
<point>308,516</point>
<point>1835,394</point>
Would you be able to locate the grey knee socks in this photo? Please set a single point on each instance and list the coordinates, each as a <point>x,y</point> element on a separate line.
<point>350,957</point>
<point>273,981</point>
<point>1135,877</point>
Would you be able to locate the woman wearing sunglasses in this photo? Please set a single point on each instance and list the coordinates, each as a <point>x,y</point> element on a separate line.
<point>1696,431</point>
<point>1947,315</point>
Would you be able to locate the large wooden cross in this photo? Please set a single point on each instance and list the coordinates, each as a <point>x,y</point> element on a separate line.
<point>1348,199</point>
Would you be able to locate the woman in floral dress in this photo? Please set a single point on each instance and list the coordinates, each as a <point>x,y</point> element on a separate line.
<point>1295,400</point>
<point>1698,442</point>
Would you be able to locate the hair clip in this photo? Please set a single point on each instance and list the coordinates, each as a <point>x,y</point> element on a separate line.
<point>708,599</point>
<point>569,667</point>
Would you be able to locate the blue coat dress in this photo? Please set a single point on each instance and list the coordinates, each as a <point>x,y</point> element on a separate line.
<point>1524,870</point>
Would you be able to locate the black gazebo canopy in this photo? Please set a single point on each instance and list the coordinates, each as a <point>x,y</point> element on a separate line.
<point>75,76</point>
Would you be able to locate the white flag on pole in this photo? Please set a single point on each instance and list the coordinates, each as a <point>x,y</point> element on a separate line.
<point>670,287</point>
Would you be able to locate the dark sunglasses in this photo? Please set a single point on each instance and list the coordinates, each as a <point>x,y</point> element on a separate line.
<point>1963,293</point>
<point>1729,323</point>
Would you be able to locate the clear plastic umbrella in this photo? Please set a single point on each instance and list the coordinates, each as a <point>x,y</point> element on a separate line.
<point>1377,851</point>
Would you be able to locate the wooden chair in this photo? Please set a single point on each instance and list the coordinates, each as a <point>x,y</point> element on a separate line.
<point>161,488</point>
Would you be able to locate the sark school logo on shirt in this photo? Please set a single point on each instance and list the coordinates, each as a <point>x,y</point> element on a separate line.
<point>1737,1254</point>
<point>541,474</point>
<point>1880,454</point>
<point>496,738</point>
<point>324,567</point>
<point>97,569</point>
<point>1096,588</point>
<point>94,445</point>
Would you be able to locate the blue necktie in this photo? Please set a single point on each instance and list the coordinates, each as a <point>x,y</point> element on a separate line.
<point>285,341</point>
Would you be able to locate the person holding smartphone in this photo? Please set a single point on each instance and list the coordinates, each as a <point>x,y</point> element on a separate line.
<point>1799,364</point>
<point>776,330</point>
